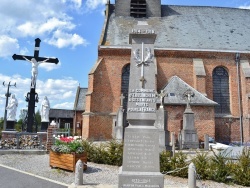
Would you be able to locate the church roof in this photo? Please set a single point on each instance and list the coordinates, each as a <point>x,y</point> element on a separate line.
<point>175,90</point>
<point>61,113</point>
<point>187,27</point>
<point>80,99</point>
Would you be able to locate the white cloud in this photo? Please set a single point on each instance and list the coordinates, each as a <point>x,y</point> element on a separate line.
<point>78,3</point>
<point>245,7</point>
<point>50,66</point>
<point>24,51</point>
<point>62,39</point>
<point>37,28</point>
<point>93,4</point>
<point>28,18</point>
<point>8,45</point>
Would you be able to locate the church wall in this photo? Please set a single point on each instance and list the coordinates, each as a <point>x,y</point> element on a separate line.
<point>204,120</point>
<point>227,130</point>
<point>105,97</point>
<point>77,119</point>
<point>106,81</point>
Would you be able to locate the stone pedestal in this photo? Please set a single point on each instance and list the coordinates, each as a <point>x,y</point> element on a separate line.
<point>10,126</point>
<point>44,126</point>
<point>161,125</point>
<point>189,133</point>
<point>141,158</point>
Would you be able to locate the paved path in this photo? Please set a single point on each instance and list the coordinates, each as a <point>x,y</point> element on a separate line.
<point>10,177</point>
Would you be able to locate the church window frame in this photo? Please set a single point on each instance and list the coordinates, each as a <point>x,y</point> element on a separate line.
<point>125,83</point>
<point>221,90</point>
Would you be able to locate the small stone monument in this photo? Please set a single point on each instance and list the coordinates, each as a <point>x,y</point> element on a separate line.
<point>45,107</point>
<point>161,123</point>
<point>118,129</point>
<point>11,108</point>
<point>206,142</point>
<point>79,172</point>
<point>141,165</point>
<point>189,133</point>
<point>191,176</point>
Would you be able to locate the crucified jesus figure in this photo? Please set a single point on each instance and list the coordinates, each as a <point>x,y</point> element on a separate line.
<point>34,70</point>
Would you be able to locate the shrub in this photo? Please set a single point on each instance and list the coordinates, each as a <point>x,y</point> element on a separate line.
<point>179,161</point>
<point>114,152</point>
<point>165,165</point>
<point>241,169</point>
<point>220,168</point>
<point>202,165</point>
<point>105,153</point>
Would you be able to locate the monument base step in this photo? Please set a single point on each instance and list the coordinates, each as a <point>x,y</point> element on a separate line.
<point>128,179</point>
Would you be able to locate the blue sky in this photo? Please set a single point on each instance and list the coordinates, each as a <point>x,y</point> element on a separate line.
<point>69,30</point>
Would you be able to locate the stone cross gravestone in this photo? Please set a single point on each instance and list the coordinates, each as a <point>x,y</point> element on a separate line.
<point>189,133</point>
<point>161,123</point>
<point>141,166</point>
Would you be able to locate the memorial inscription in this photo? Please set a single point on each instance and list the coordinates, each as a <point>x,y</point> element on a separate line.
<point>142,100</point>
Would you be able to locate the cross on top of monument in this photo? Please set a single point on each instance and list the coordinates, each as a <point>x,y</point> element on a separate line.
<point>35,60</point>
<point>162,94</point>
<point>188,94</point>
<point>122,98</point>
<point>142,61</point>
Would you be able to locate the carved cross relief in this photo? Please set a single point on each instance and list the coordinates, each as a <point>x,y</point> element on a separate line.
<point>143,60</point>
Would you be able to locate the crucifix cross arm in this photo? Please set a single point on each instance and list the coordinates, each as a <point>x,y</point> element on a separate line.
<point>38,59</point>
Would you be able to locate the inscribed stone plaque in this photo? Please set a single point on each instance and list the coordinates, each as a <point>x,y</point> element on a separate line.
<point>141,149</point>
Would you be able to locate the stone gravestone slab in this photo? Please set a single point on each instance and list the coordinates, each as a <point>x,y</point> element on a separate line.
<point>118,129</point>
<point>141,166</point>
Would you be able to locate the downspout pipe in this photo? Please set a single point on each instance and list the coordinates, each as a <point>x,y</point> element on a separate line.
<point>237,60</point>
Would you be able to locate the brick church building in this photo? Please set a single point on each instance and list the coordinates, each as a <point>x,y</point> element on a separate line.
<point>202,49</point>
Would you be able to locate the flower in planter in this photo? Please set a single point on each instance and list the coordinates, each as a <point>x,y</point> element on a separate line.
<point>68,144</point>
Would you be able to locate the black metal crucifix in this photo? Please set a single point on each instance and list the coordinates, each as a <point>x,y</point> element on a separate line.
<point>32,96</point>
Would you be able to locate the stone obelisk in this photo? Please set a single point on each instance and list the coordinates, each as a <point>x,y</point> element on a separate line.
<point>141,166</point>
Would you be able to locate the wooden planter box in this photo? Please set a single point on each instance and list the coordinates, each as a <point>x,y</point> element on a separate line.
<point>66,161</point>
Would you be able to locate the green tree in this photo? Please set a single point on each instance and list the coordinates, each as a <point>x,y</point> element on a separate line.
<point>1,123</point>
<point>38,119</point>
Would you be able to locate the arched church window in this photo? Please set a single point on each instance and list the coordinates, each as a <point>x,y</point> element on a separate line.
<point>221,90</point>
<point>138,8</point>
<point>125,84</point>
<point>124,91</point>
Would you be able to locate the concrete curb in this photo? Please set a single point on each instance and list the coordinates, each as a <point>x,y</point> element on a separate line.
<point>114,186</point>
<point>93,186</point>
<point>24,152</point>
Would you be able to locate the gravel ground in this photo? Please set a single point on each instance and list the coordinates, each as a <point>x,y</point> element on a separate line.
<point>95,174</point>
